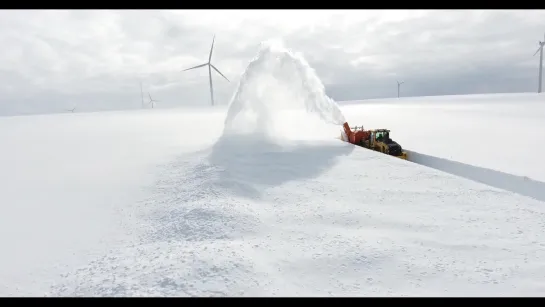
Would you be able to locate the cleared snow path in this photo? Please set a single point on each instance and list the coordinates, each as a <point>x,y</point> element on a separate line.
<point>517,184</point>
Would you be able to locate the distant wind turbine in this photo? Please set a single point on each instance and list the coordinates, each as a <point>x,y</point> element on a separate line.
<point>72,110</point>
<point>152,101</point>
<point>540,50</point>
<point>398,86</point>
<point>210,66</point>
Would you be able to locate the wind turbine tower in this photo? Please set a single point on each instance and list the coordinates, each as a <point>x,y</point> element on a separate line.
<point>398,86</point>
<point>210,67</point>
<point>151,101</point>
<point>540,50</point>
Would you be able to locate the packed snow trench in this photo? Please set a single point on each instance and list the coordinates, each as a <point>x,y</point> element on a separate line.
<point>181,203</point>
<point>518,184</point>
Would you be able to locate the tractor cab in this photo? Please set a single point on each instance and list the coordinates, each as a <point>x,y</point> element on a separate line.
<point>381,135</point>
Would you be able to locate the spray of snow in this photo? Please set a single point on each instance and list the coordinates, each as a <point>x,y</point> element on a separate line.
<point>279,93</point>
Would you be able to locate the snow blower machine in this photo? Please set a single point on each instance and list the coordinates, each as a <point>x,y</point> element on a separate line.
<point>377,140</point>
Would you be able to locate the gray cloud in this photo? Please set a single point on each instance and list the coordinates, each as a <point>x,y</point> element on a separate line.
<point>54,60</point>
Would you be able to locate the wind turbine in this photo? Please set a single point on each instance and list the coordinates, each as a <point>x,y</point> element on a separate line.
<point>152,101</point>
<point>72,110</point>
<point>210,66</point>
<point>398,86</point>
<point>540,50</point>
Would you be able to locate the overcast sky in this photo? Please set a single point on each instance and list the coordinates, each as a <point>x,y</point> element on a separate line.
<point>94,60</point>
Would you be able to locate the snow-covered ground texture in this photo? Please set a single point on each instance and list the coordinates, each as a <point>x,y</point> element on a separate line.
<point>495,139</point>
<point>178,203</point>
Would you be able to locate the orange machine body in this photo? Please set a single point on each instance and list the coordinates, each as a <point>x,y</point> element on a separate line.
<point>355,137</point>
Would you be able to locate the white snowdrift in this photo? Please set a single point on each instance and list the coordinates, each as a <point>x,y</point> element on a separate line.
<point>68,184</point>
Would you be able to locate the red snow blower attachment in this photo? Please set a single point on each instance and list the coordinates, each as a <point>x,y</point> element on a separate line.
<point>377,140</point>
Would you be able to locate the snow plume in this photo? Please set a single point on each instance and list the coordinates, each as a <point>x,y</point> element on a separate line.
<point>279,93</point>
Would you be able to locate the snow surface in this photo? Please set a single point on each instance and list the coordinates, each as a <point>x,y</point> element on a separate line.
<point>502,132</point>
<point>175,203</point>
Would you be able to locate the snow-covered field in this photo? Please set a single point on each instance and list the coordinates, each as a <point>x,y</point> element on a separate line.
<point>495,139</point>
<point>180,202</point>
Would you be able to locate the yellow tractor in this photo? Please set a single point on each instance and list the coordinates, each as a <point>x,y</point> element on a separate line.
<point>379,140</point>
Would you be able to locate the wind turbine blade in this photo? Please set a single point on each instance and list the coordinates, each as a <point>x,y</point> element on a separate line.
<point>196,66</point>
<point>211,49</point>
<point>538,50</point>
<point>219,72</point>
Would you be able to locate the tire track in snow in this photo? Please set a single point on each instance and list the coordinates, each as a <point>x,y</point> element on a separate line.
<point>517,184</point>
